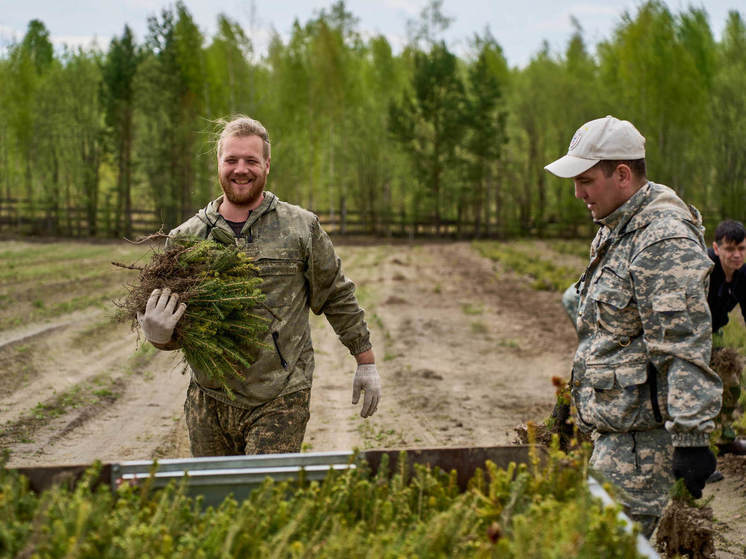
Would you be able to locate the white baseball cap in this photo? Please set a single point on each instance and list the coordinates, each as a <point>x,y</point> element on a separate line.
<point>602,139</point>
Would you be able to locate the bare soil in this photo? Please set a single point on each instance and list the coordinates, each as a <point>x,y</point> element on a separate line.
<point>466,352</point>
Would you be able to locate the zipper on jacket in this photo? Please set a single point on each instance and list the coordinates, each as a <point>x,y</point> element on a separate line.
<point>275,336</point>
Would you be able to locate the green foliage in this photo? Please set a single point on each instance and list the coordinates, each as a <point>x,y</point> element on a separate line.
<point>119,69</point>
<point>171,99</point>
<point>544,274</point>
<point>418,136</point>
<point>729,121</point>
<point>222,328</point>
<point>524,511</point>
<point>577,248</point>
<point>428,122</point>
<point>486,122</point>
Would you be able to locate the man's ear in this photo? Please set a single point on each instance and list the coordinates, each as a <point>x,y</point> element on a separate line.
<point>625,175</point>
<point>715,248</point>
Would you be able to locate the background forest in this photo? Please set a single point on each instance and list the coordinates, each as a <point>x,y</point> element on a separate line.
<point>107,143</point>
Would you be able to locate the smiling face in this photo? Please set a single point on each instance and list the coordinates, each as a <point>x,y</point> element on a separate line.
<point>243,170</point>
<point>601,194</point>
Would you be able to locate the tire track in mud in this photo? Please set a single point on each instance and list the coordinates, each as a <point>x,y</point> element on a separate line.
<point>74,372</point>
<point>459,362</point>
<point>57,367</point>
<point>464,356</point>
<point>83,401</point>
<point>145,418</point>
<point>30,331</point>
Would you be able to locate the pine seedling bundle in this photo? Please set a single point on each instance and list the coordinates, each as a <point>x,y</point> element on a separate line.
<point>220,332</point>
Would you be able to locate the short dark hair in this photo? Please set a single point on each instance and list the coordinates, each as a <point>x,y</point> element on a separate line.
<point>730,230</point>
<point>637,166</point>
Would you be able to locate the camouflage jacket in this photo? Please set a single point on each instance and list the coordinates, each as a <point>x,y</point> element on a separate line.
<point>643,309</point>
<point>299,271</point>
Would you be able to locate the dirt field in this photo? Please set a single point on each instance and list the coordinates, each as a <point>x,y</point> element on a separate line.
<point>466,352</point>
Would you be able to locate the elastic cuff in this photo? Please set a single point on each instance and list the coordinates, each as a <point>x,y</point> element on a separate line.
<point>690,439</point>
<point>360,347</point>
<point>366,369</point>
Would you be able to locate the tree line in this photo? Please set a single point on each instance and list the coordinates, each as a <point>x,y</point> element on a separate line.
<point>425,134</point>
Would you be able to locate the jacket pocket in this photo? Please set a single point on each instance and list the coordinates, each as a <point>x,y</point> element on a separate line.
<point>616,311</point>
<point>618,401</point>
<point>283,282</point>
<point>672,313</point>
<point>279,267</point>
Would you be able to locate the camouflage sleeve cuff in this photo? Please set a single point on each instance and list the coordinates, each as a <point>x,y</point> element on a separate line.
<point>360,346</point>
<point>690,439</point>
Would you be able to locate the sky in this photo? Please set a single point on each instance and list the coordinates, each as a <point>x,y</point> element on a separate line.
<point>519,26</point>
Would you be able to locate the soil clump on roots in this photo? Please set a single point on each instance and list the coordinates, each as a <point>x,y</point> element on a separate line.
<point>686,530</point>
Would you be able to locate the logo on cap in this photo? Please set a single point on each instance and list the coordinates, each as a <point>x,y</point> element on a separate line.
<point>576,138</point>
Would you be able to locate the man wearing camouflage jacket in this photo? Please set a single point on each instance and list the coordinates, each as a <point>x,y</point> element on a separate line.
<point>641,381</point>
<point>299,271</point>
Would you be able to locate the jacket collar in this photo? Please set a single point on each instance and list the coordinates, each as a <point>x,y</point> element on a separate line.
<point>649,203</point>
<point>212,213</point>
<point>616,221</point>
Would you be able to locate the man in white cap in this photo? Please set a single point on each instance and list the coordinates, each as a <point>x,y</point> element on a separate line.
<point>641,381</point>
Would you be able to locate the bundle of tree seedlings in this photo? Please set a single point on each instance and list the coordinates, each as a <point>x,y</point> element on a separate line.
<point>221,331</point>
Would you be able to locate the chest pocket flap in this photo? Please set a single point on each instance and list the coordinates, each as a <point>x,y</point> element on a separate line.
<point>602,377</point>
<point>612,289</point>
<point>615,307</point>
<point>277,261</point>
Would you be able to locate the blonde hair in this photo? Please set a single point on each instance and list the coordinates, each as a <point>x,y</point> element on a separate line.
<point>241,125</point>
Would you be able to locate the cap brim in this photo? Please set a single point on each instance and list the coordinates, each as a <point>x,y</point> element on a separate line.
<point>570,166</point>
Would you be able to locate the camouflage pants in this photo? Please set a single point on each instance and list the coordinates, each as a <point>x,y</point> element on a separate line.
<point>639,464</point>
<point>219,429</point>
<point>727,363</point>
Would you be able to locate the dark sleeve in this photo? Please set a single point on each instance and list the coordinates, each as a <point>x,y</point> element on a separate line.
<point>717,306</point>
<point>741,291</point>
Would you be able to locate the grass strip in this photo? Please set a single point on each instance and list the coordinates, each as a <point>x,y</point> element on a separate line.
<point>545,275</point>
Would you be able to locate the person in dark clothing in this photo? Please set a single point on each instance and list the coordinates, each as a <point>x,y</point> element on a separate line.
<point>728,278</point>
<point>727,289</point>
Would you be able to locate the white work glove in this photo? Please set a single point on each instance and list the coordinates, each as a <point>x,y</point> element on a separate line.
<point>161,316</point>
<point>367,379</point>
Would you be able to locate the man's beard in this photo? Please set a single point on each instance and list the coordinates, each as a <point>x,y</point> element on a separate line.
<point>243,198</point>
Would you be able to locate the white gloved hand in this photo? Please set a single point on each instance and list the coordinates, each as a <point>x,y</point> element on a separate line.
<point>161,315</point>
<point>367,379</point>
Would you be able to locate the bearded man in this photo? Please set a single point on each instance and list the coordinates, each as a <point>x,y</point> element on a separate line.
<point>300,271</point>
